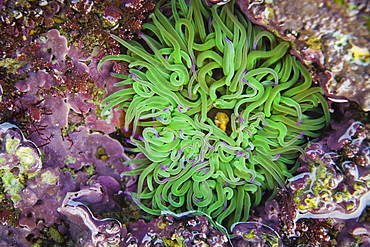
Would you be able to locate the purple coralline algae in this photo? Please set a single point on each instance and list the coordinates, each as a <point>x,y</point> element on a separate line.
<point>254,234</point>
<point>353,233</point>
<point>170,230</point>
<point>19,160</point>
<point>335,181</point>
<point>54,189</point>
<point>57,106</point>
<point>57,192</point>
<point>331,35</point>
<point>86,229</point>
<point>63,187</point>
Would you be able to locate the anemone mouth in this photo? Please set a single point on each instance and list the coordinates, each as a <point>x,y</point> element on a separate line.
<point>224,111</point>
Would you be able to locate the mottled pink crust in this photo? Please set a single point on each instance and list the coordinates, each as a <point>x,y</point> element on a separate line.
<point>332,37</point>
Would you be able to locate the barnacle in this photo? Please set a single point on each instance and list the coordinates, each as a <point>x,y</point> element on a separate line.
<point>200,60</point>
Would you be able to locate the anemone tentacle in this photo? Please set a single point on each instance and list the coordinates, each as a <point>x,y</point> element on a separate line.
<point>225,111</point>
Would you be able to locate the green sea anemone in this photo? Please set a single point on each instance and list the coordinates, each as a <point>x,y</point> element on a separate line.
<point>224,110</point>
